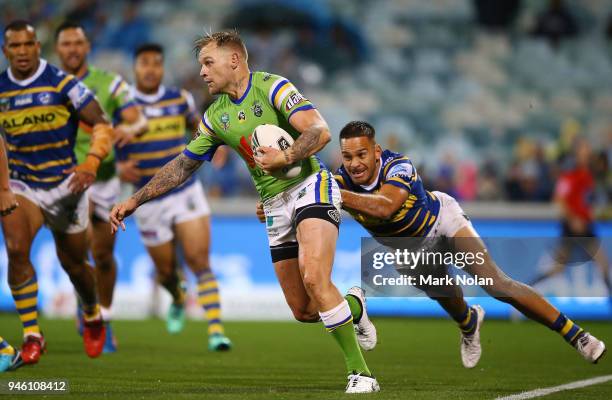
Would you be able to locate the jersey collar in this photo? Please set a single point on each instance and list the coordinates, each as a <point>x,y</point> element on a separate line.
<point>246,92</point>
<point>149,98</point>
<point>41,67</point>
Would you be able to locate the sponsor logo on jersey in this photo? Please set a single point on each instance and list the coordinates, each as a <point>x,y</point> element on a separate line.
<point>294,98</point>
<point>334,215</point>
<point>401,170</point>
<point>5,104</point>
<point>23,100</point>
<point>302,193</point>
<point>267,77</point>
<point>225,121</point>
<point>269,220</point>
<point>44,98</point>
<point>241,116</point>
<point>28,120</point>
<point>256,109</point>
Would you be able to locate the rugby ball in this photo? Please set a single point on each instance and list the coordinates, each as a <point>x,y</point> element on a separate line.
<point>267,135</point>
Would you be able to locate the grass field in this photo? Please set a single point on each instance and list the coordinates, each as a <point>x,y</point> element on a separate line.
<point>415,359</point>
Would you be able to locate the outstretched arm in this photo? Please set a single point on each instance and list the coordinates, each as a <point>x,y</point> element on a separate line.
<point>380,205</point>
<point>170,176</point>
<point>167,178</point>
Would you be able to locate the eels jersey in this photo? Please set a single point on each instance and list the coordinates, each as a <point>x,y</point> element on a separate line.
<point>39,118</point>
<point>269,99</point>
<point>113,94</point>
<point>167,113</point>
<point>415,217</point>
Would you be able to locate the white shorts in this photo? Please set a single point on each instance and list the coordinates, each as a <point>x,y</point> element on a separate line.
<point>156,219</point>
<point>450,219</point>
<point>63,211</point>
<point>319,193</point>
<point>103,196</point>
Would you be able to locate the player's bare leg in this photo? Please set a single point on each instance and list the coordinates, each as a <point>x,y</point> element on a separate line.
<point>72,249</point>
<point>289,276</point>
<point>102,250</point>
<point>317,243</point>
<point>19,228</point>
<point>525,299</point>
<point>165,261</point>
<point>196,253</point>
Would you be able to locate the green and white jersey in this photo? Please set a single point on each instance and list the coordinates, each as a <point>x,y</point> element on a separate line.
<point>269,99</point>
<point>113,94</point>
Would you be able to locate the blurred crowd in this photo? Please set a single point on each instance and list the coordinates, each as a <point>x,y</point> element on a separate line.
<point>486,97</point>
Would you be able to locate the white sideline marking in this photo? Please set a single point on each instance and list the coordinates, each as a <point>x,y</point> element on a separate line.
<point>568,386</point>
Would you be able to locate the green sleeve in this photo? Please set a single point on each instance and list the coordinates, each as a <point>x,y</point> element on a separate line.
<point>203,147</point>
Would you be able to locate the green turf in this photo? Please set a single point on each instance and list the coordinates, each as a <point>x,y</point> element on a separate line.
<point>415,358</point>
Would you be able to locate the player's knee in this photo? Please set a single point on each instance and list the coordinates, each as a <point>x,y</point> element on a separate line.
<point>165,275</point>
<point>104,261</point>
<point>198,261</point>
<point>305,316</point>
<point>18,253</point>
<point>314,282</point>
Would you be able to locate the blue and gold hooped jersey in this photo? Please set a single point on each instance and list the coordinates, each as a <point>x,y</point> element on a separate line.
<point>167,113</point>
<point>415,217</point>
<point>39,119</point>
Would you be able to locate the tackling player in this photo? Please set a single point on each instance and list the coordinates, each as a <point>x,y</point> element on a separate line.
<point>384,193</point>
<point>181,215</point>
<point>40,106</point>
<point>303,212</point>
<point>73,47</point>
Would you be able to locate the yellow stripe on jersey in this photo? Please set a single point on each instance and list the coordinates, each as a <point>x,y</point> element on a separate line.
<point>158,137</point>
<point>422,225</point>
<point>341,179</point>
<point>157,154</point>
<point>38,147</point>
<point>279,94</point>
<point>170,102</point>
<point>50,179</point>
<point>171,123</point>
<point>41,166</point>
<point>64,81</point>
<point>400,180</point>
<point>34,119</point>
<point>39,89</point>
<point>149,171</point>
<point>409,223</point>
<point>204,129</point>
<point>324,187</point>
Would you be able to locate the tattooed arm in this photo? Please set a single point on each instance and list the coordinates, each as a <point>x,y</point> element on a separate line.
<point>170,176</point>
<point>314,135</point>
